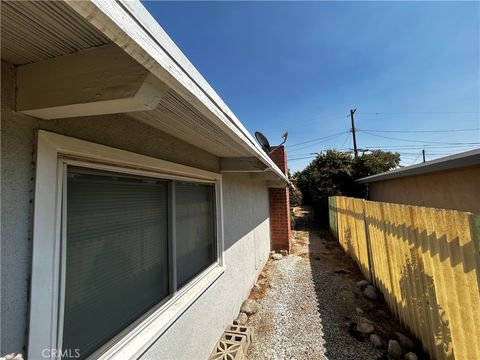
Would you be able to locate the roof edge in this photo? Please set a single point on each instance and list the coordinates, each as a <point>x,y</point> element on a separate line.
<point>464,159</point>
<point>129,25</point>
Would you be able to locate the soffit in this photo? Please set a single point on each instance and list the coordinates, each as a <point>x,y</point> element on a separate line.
<point>32,31</point>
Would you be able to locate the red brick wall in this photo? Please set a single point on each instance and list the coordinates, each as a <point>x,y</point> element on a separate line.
<point>280,206</point>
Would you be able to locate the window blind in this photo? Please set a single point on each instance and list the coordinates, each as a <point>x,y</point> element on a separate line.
<point>195,229</point>
<point>116,255</point>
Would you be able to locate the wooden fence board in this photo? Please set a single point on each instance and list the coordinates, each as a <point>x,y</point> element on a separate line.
<point>425,261</point>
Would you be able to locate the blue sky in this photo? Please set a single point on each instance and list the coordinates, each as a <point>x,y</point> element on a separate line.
<point>300,67</point>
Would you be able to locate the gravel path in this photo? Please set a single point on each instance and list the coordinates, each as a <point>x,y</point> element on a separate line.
<point>307,304</point>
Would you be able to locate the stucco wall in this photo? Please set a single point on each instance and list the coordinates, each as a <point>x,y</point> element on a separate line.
<point>247,242</point>
<point>457,189</point>
<point>247,231</point>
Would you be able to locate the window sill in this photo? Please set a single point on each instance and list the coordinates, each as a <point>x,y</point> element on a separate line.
<point>145,333</point>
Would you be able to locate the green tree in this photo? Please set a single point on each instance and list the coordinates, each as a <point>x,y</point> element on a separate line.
<point>333,172</point>
<point>295,194</point>
<point>377,161</point>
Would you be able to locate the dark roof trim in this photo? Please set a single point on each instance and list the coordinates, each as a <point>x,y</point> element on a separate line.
<point>468,158</point>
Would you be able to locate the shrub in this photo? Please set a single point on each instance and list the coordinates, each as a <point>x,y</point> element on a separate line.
<point>333,172</point>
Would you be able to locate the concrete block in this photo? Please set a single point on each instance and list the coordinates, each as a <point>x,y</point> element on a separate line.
<point>245,331</point>
<point>227,350</point>
<point>237,338</point>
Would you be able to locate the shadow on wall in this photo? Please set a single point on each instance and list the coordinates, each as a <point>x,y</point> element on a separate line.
<point>425,262</point>
<point>419,300</point>
<point>335,276</point>
<point>414,300</point>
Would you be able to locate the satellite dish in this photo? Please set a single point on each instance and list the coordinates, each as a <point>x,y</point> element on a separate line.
<point>284,137</point>
<point>262,140</point>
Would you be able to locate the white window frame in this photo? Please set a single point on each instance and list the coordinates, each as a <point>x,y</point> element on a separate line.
<point>54,153</point>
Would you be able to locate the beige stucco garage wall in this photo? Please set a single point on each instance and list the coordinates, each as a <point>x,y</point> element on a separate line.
<point>246,224</point>
<point>458,189</point>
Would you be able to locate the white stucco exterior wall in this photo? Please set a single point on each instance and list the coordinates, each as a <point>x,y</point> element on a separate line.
<point>247,245</point>
<point>246,225</point>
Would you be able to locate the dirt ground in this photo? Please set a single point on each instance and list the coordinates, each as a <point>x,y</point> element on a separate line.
<point>309,303</point>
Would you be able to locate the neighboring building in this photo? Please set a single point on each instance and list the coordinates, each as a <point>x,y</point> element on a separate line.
<point>451,182</point>
<point>135,206</point>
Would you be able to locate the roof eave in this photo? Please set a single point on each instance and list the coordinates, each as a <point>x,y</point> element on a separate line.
<point>464,159</point>
<point>132,28</point>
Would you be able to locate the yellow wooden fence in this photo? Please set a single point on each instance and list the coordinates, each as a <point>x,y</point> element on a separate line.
<point>425,261</point>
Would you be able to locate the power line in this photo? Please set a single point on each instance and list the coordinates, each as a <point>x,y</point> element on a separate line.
<point>309,153</point>
<point>345,141</point>
<point>430,153</point>
<point>418,131</point>
<point>314,144</point>
<point>303,154</point>
<point>320,139</point>
<point>402,154</point>
<point>414,161</point>
<point>418,141</point>
<point>418,112</point>
<point>413,147</point>
<point>302,158</point>
<point>402,148</point>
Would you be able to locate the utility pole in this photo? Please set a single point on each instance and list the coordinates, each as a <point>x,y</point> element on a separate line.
<point>423,154</point>
<point>355,150</point>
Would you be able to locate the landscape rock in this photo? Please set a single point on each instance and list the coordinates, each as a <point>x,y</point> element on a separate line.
<point>249,307</point>
<point>394,349</point>
<point>359,311</point>
<point>370,292</point>
<point>410,356</point>
<point>241,319</point>
<point>362,284</point>
<point>352,330</point>
<point>375,340</point>
<point>277,256</point>
<point>404,341</point>
<point>365,328</point>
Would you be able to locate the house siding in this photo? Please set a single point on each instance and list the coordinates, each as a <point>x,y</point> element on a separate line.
<point>246,224</point>
<point>457,189</point>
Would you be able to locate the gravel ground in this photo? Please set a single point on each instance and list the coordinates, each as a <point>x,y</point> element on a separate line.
<point>307,302</point>
<point>287,325</point>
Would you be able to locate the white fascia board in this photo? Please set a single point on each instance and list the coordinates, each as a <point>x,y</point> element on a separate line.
<point>128,24</point>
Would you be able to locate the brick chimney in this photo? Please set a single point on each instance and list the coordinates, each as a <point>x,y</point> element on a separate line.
<point>280,205</point>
